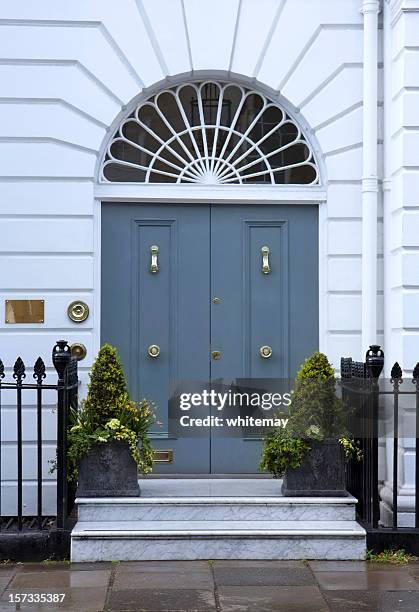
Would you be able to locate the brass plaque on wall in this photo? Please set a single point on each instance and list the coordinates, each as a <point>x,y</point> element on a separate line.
<point>25,311</point>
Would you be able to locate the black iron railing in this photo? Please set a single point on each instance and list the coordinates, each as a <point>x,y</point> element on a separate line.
<point>370,399</point>
<point>33,393</point>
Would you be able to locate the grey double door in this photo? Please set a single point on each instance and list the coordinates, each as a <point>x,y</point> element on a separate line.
<point>194,293</point>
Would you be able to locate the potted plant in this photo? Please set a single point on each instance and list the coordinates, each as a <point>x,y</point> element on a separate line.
<point>108,441</point>
<point>310,453</point>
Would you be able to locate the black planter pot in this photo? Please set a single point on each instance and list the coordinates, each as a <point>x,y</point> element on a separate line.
<point>108,470</point>
<point>322,473</point>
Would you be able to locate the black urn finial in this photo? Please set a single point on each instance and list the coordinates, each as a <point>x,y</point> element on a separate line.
<point>374,360</point>
<point>61,355</point>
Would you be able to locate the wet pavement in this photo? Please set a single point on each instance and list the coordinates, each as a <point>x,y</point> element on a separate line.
<point>220,586</point>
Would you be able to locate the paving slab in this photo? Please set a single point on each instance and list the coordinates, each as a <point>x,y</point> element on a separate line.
<point>259,563</point>
<point>4,582</point>
<point>353,566</point>
<point>182,579</point>
<point>59,580</point>
<point>269,598</point>
<point>59,566</point>
<point>162,566</point>
<point>169,600</point>
<point>85,599</point>
<point>385,580</point>
<point>341,566</point>
<point>233,585</point>
<point>372,601</point>
<point>263,576</point>
<point>413,571</point>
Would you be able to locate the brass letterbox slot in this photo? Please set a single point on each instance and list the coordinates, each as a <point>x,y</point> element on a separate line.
<point>25,311</point>
<point>163,456</point>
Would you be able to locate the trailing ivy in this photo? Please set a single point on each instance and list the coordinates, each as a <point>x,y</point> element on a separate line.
<point>282,451</point>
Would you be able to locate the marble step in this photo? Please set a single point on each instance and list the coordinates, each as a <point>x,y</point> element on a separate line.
<point>217,508</point>
<point>188,540</point>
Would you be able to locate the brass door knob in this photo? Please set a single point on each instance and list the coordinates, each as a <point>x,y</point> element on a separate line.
<point>216,355</point>
<point>265,351</point>
<point>153,350</point>
<point>78,350</point>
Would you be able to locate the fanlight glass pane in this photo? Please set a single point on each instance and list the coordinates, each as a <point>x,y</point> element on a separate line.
<point>211,132</point>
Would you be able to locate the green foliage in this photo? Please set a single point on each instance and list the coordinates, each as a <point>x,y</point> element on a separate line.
<point>51,561</point>
<point>315,413</point>
<point>316,367</point>
<point>282,451</point>
<point>351,449</point>
<point>109,414</point>
<point>108,388</point>
<point>393,557</point>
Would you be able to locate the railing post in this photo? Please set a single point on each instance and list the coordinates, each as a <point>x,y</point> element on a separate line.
<point>374,361</point>
<point>396,380</point>
<point>61,356</point>
<point>19,375</point>
<point>39,374</point>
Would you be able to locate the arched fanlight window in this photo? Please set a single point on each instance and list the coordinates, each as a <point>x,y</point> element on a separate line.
<point>212,133</point>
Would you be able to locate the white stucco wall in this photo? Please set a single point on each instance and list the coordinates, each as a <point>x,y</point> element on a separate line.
<point>401,218</point>
<point>68,69</point>
<point>403,213</point>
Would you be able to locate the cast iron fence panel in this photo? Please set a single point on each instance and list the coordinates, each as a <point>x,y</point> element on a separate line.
<point>365,393</point>
<point>67,396</point>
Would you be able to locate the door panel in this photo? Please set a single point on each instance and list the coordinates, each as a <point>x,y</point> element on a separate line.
<point>169,308</point>
<point>208,252</point>
<point>279,309</point>
<point>253,308</point>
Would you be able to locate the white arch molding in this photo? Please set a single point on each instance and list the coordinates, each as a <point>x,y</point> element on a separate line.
<point>210,132</point>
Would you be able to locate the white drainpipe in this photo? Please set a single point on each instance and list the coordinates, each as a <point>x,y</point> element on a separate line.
<point>370,10</point>
<point>387,184</point>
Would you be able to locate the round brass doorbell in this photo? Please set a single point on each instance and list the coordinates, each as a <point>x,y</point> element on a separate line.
<point>265,351</point>
<point>153,350</point>
<point>78,350</point>
<point>78,311</point>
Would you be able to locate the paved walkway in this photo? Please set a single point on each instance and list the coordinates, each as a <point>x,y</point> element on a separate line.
<point>225,586</point>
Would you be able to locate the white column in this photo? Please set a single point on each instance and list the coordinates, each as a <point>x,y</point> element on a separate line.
<point>370,10</point>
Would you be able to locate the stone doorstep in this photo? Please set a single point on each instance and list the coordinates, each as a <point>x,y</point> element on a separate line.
<point>130,529</point>
<point>191,540</point>
<point>260,527</point>
<point>227,509</point>
<point>187,547</point>
<point>279,500</point>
